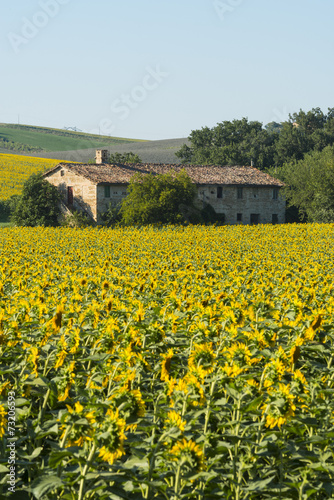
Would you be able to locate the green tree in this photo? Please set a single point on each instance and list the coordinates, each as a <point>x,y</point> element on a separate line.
<point>305,132</point>
<point>310,185</point>
<point>124,158</point>
<point>239,142</point>
<point>38,205</point>
<point>236,142</point>
<point>157,198</point>
<point>121,158</point>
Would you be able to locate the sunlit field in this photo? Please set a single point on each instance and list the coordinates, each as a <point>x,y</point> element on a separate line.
<point>15,170</point>
<point>168,363</point>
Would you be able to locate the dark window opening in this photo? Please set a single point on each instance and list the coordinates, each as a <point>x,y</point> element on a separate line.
<point>274,218</point>
<point>219,192</point>
<point>275,194</point>
<point>62,173</point>
<point>240,193</point>
<point>70,195</point>
<point>107,191</point>
<point>239,217</point>
<point>254,218</point>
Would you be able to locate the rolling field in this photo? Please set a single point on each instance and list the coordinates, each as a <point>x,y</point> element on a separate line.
<point>162,151</point>
<point>80,147</point>
<point>168,363</point>
<point>49,139</point>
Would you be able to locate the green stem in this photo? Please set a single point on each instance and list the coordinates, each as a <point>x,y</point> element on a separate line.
<point>63,441</point>
<point>177,482</point>
<point>41,413</point>
<point>82,482</point>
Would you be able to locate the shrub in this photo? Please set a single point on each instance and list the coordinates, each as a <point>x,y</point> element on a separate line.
<point>39,204</point>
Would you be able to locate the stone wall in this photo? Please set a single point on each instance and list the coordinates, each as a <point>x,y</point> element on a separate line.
<point>117,193</point>
<point>255,200</point>
<point>84,191</point>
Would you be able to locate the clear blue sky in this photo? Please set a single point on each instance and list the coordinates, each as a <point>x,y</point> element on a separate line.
<point>157,69</point>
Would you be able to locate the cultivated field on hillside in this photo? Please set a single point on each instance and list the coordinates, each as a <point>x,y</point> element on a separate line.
<point>168,363</point>
<point>15,170</point>
<point>150,151</point>
<point>27,137</point>
<point>76,146</point>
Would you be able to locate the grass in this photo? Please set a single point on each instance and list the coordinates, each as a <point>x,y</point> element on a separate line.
<point>49,139</point>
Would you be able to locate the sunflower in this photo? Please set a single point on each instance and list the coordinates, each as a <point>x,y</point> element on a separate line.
<point>280,406</point>
<point>112,437</point>
<point>131,400</point>
<point>204,357</point>
<point>240,354</point>
<point>79,434</point>
<point>57,319</point>
<point>175,420</point>
<point>166,362</point>
<point>188,453</point>
<point>67,382</point>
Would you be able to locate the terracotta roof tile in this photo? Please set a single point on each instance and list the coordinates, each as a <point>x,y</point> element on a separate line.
<point>199,174</point>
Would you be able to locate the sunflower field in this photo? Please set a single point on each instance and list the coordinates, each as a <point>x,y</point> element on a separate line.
<point>15,170</point>
<point>167,362</point>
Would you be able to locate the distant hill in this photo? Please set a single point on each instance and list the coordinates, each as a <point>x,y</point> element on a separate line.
<point>30,139</point>
<point>162,151</point>
<point>68,145</point>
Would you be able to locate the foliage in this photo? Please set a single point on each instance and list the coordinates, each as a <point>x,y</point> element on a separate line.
<point>4,210</point>
<point>38,204</point>
<point>209,215</point>
<point>157,198</point>
<point>112,215</point>
<point>273,127</point>
<point>124,158</point>
<point>311,185</point>
<point>120,158</point>
<point>239,142</point>
<point>231,143</point>
<point>171,363</point>
<point>76,219</point>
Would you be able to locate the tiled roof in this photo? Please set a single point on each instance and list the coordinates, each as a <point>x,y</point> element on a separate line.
<point>199,174</point>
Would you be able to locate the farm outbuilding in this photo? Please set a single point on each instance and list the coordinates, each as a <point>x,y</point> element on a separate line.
<point>244,194</point>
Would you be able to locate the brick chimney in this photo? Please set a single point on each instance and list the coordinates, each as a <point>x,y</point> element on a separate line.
<point>102,156</point>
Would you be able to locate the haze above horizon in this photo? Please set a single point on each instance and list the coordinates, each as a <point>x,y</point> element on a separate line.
<point>157,70</point>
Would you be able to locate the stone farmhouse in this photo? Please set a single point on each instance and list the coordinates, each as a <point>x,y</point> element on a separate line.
<point>244,194</point>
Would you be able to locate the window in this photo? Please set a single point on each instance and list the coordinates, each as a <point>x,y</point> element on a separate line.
<point>275,194</point>
<point>239,217</point>
<point>70,195</point>
<point>219,192</point>
<point>239,193</point>
<point>254,218</point>
<point>274,219</point>
<point>62,173</point>
<point>107,191</point>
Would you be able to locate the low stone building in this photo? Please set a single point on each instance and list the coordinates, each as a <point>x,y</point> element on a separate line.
<point>245,195</point>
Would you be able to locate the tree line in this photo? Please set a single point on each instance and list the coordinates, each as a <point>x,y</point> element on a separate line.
<point>239,142</point>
